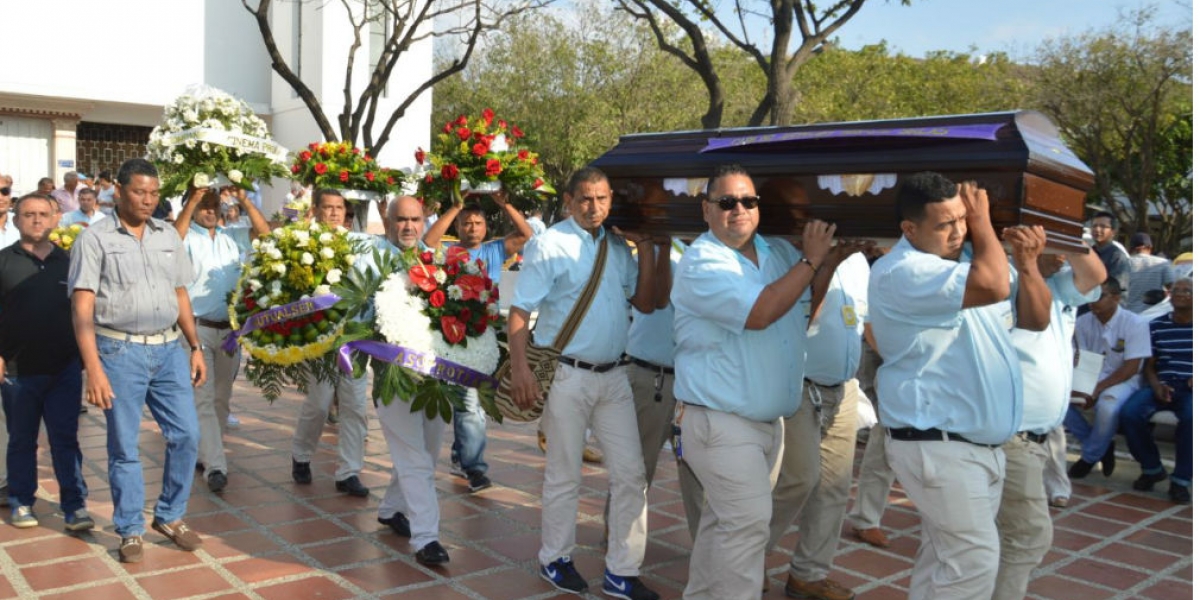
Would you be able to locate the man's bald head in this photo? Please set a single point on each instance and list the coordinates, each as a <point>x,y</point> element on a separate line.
<point>405,222</point>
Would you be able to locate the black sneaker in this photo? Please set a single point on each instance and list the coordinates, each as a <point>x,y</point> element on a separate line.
<point>399,524</point>
<point>301,472</point>
<point>217,481</point>
<point>629,588</point>
<point>478,481</point>
<point>1179,494</point>
<point>563,575</point>
<point>351,485</point>
<point>432,554</point>
<point>1146,482</point>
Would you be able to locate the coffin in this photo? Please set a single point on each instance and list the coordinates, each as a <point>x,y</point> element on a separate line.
<point>847,173</point>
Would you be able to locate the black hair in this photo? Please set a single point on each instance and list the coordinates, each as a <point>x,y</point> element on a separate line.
<point>1104,213</point>
<point>582,176</point>
<point>725,171</point>
<point>1112,286</point>
<point>920,189</point>
<point>36,196</point>
<point>135,166</point>
<point>322,193</point>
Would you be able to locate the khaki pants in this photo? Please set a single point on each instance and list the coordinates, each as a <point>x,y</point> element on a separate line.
<point>737,462</point>
<point>413,442</point>
<point>822,509</point>
<point>875,479</point>
<point>212,398</point>
<point>1055,479</point>
<point>956,488</point>
<point>1026,530</point>
<point>352,422</point>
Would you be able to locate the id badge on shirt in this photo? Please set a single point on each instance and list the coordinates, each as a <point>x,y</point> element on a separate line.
<point>849,316</point>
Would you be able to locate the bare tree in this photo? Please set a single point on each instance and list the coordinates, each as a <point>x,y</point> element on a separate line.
<point>403,23</point>
<point>779,62</point>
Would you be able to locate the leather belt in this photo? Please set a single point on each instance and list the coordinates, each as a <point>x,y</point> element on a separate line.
<point>1029,436</point>
<point>909,434</point>
<point>821,385</point>
<point>645,364</point>
<point>587,366</point>
<point>163,337</point>
<point>213,324</point>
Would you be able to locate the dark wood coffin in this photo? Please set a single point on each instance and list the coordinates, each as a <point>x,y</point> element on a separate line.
<point>847,173</point>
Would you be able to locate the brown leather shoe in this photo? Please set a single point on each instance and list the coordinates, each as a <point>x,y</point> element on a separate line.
<point>825,589</point>
<point>592,455</point>
<point>873,536</point>
<point>180,533</point>
<point>541,441</point>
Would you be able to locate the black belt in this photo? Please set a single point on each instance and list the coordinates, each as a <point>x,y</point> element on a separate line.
<point>909,434</point>
<point>1029,436</point>
<point>213,324</point>
<point>587,366</point>
<point>821,385</point>
<point>645,364</point>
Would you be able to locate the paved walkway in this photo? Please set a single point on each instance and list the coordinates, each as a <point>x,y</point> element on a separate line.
<point>266,537</point>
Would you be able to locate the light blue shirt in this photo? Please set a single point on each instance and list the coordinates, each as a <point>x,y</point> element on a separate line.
<point>77,216</point>
<point>943,367</point>
<point>493,256</point>
<point>835,338</point>
<point>1046,356</point>
<point>558,264</point>
<point>719,363</point>
<point>652,336</point>
<point>216,265</point>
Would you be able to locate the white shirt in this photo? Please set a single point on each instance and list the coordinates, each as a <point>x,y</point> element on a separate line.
<point>1126,336</point>
<point>9,234</point>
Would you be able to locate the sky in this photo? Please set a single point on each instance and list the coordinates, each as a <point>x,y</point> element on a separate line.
<point>1012,26</point>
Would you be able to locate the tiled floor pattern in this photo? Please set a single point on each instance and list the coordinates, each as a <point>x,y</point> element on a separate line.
<point>268,538</point>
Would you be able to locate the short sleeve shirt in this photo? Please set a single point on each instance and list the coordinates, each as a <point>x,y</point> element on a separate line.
<point>1125,336</point>
<point>944,367</point>
<point>134,280</point>
<point>835,338</point>
<point>216,266</point>
<point>652,336</point>
<point>756,374</point>
<point>557,266</point>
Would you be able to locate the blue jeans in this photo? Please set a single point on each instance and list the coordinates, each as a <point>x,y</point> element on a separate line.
<point>28,400</point>
<point>1135,421</point>
<point>470,435</point>
<point>156,376</point>
<point>1095,438</point>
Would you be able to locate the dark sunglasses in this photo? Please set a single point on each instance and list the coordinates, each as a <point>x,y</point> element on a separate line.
<point>729,202</point>
<point>5,191</point>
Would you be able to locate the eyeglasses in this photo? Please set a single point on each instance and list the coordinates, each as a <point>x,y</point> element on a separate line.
<point>5,191</point>
<point>730,202</point>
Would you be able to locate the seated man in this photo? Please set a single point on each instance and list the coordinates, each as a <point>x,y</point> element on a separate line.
<point>1124,340</point>
<point>1168,376</point>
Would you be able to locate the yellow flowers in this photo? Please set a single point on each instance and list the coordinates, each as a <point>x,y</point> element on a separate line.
<point>64,236</point>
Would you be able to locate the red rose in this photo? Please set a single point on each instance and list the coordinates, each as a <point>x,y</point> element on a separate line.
<point>522,154</point>
<point>503,125</point>
<point>493,167</point>
<point>306,156</point>
<point>453,329</point>
<point>344,176</point>
<point>356,150</point>
<point>451,268</point>
<point>450,172</point>
<point>537,183</point>
<point>367,157</point>
<point>479,149</point>
<point>481,326</point>
<point>517,133</point>
<point>295,169</point>
<point>370,175</point>
<point>464,315</point>
<point>313,146</point>
<point>533,160</point>
<point>318,316</point>
<point>429,178</point>
<point>321,168</point>
<point>420,156</point>
<point>448,127</point>
<point>324,152</point>
<point>437,299</point>
<point>391,180</point>
<point>427,257</point>
<point>462,120</point>
<point>463,133</point>
<point>488,115</point>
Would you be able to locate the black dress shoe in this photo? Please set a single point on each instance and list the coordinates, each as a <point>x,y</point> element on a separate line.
<point>1179,494</point>
<point>399,524</point>
<point>301,472</point>
<point>1146,482</point>
<point>1108,462</point>
<point>432,554</point>
<point>1080,469</point>
<point>217,481</point>
<point>351,485</point>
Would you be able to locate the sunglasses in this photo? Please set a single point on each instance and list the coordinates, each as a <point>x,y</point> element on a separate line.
<point>5,191</point>
<point>731,202</point>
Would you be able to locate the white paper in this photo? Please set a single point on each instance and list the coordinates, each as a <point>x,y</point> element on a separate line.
<point>1087,372</point>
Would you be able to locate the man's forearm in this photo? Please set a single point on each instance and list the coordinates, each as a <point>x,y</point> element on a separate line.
<point>1033,298</point>
<point>518,334</point>
<point>643,295</point>
<point>82,316</point>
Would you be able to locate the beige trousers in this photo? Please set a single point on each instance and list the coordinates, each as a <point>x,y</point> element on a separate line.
<point>1026,530</point>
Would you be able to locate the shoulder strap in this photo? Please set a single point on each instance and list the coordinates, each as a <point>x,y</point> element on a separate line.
<point>584,301</point>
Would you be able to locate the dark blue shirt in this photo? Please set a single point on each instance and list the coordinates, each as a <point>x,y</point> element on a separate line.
<point>1171,343</point>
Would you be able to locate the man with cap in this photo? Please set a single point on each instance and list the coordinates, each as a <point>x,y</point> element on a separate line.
<point>1147,274</point>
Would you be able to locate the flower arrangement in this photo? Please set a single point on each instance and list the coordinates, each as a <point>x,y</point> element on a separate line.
<point>206,135</point>
<point>481,154</point>
<point>438,314</point>
<point>64,236</point>
<point>341,166</point>
<point>283,309</point>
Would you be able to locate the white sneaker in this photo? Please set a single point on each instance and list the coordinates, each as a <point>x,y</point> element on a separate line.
<point>232,422</point>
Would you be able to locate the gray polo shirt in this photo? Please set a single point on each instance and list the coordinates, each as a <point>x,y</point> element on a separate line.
<point>134,280</point>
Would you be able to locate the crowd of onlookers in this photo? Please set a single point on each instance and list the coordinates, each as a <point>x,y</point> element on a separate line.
<point>747,355</point>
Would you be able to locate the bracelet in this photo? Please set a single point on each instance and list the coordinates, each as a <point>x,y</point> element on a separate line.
<point>810,264</point>
<point>197,348</point>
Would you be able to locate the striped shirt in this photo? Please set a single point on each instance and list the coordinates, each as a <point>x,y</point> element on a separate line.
<point>1146,272</point>
<point>1172,345</point>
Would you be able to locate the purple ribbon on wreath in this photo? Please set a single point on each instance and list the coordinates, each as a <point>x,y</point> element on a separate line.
<point>425,363</point>
<point>279,314</point>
